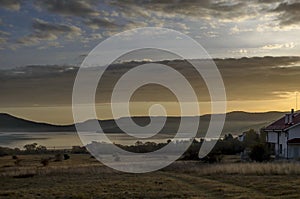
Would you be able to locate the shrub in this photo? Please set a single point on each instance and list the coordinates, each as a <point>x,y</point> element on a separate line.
<point>259,153</point>
<point>66,156</point>
<point>26,175</point>
<point>18,162</point>
<point>45,161</point>
<point>58,157</point>
<point>213,158</point>
<point>6,151</point>
<point>79,150</point>
<point>14,157</point>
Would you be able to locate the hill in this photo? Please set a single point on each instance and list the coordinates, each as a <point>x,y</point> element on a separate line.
<point>235,123</point>
<point>9,123</point>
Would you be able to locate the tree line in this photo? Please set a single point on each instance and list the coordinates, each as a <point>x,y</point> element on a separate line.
<point>253,144</point>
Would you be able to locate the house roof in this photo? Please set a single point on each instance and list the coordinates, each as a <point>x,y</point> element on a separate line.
<point>281,125</point>
<point>294,141</point>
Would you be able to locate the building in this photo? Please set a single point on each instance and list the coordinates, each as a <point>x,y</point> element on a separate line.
<point>241,137</point>
<point>283,136</point>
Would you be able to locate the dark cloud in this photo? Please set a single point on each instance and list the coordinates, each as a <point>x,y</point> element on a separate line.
<point>10,4</point>
<point>69,7</point>
<point>43,26</point>
<point>87,9</point>
<point>110,25</point>
<point>269,1</point>
<point>96,23</point>
<point>265,78</point>
<point>205,8</point>
<point>3,39</point>
<point>208,9</point>
<point>289,13</point>
<point>43,30</point>
<point>3,33</point>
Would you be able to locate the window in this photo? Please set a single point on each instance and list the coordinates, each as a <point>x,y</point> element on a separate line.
<point>280,148</point>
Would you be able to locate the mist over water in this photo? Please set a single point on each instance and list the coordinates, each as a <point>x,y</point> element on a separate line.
<point>65,140</point>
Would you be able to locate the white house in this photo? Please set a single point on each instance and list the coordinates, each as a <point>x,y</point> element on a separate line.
<point>241,137</point>
<point>283,136</point>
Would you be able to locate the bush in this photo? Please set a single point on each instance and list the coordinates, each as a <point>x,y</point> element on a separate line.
<point>66,156</point>
<point>79,150</point>
<point>14,157</point>
<point>18,162</point>
<point>58,157</point>
<point>259,153</point>
<point>6,151</point>
<point>45,161</point>
<point>213,158</point>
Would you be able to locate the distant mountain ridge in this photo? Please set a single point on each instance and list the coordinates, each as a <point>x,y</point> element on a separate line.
<point>9,123</point>
<point>235,123</point>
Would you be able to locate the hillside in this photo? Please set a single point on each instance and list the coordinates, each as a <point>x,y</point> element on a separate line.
<point>9,123</point>
<point>236,122</point>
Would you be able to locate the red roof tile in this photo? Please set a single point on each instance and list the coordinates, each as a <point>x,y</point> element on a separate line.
<point>281,125</point>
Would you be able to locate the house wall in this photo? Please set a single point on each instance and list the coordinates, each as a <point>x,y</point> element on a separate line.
<point>283,137</point>
<point>272,137</point>
<point>294,132</point>
<point>280,141</point>
<point>241,138</point>
<point>294,151</point>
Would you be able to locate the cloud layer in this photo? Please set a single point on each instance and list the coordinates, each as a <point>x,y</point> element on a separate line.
<point>289,13</point>
<point>43,30</point>
<point>267,78</point>
<point>120,15</point>
<point>226,28</point>
<point>10,4</point>
<point>78,8</point>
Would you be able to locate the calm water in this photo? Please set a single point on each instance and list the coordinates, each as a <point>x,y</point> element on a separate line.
<point>66,140</point>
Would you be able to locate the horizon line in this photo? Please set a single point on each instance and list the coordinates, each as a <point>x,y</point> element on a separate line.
<point>137,116</point>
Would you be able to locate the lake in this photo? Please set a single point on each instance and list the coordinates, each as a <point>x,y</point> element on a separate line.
<point>65,140</point>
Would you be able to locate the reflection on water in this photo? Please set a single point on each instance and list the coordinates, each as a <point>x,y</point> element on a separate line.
<point>66,140</point>
<point>48,139</point>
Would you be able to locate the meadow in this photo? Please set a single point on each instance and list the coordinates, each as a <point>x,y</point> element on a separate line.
<point>81,176</point>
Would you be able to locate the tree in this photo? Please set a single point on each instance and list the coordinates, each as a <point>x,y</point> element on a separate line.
<point>41,148</point>
<point>228,137</point>
<point>138,143</point>
<point>251,138</point>
<point>30,147</point>
<point>262,136</point>
<point>259,153</point>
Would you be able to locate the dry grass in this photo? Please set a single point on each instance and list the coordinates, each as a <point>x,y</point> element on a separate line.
<point>83,177</point>
<point>30,164</point>
<point>272,168</point>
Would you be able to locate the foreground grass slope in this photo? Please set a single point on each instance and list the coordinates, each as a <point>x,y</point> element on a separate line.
<point>83,177</point>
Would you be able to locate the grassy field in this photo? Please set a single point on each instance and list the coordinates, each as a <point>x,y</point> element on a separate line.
<point>84,177</point>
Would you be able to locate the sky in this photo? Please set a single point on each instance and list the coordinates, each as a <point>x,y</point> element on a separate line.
<point>58,34</point>
<point>37,31</point>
